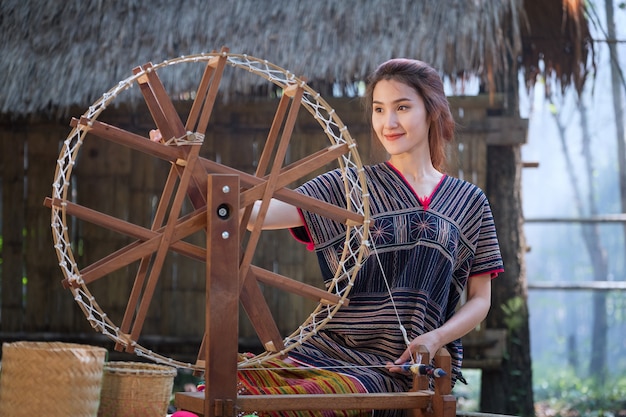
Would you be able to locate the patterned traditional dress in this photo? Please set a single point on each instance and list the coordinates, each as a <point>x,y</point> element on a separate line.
<point>427,249</point>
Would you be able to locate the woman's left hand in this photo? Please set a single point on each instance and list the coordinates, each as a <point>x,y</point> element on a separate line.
<point>429,340</point>
<point>462,322</point>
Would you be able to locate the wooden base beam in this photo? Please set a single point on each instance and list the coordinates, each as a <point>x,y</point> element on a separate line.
<point>194,401</point>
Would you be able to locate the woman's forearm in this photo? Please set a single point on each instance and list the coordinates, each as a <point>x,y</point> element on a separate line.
<point>462,322</point>
<point>470,315</point>
<point>279,215</point>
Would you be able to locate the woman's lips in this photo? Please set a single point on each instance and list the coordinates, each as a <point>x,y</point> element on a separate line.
<point>392,136</point>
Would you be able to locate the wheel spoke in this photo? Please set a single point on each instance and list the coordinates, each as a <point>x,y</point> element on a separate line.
<point>297,170</point>
<point>159,103</point>
<point>272,136</point>
<point>270,188</point>
<point>260,315</point>
<point>186,226</point>
<point>167,120</point>
<point>175,153</point>
<point>205,97</point>
<point>144,265</point>
<point>123,137</point>
<point>164,245</point>
<point>294,287</point>
<point>120,259</point>
<point>264,160</point>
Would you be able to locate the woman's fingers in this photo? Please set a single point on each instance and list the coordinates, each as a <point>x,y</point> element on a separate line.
<point>155,135</point>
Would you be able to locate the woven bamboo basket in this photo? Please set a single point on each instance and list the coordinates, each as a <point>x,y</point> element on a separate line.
<point>134,389</point>
<point>51,379</point>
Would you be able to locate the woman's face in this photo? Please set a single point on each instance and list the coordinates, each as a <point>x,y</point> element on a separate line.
<point>399,118</point>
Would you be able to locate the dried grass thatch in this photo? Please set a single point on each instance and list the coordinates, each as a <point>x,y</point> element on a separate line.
<point>557,34</point>
<point>59,53</point>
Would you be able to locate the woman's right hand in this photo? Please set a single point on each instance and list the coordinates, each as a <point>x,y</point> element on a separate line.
<point>155,135</point>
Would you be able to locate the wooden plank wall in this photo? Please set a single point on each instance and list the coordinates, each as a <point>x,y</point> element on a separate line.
<point>127,184</point>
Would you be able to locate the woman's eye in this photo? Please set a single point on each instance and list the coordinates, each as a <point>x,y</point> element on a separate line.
<point>403,107</point>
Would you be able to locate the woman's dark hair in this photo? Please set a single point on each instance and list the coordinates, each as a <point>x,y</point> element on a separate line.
<point>427,82</point>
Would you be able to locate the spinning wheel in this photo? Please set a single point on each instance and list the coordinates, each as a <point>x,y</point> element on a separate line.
<point>187,184</point>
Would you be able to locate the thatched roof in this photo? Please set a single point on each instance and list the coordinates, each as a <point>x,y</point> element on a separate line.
<point>558,34</point>
<point>59,53</point>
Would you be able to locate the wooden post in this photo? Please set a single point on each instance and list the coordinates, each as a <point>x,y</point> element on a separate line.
<point>443,403</point>
<point>222,295</point>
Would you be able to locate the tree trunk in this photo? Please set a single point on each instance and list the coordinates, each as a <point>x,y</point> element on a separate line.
<point>591,238</point>
<point>599,261</point>
<point>508,390</point>
<point>618,84</point>
<point>616,77</point>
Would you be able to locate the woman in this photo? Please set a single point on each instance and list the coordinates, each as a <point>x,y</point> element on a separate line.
<point>433,236</point>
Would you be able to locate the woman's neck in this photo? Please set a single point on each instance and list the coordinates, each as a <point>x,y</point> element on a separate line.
<point>416,169</point>
<point>423,178</point>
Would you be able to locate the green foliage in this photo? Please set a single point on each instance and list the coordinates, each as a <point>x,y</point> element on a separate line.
<point>468,396</point>
<point>565,394</point>
<point>513,313</point>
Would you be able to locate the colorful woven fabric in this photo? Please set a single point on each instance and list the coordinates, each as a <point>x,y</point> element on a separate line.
<point>280,377</point>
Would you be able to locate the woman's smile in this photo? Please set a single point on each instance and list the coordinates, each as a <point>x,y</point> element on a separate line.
<point>392,136</point>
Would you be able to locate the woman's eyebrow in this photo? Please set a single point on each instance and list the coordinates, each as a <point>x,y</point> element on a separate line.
<point>393,102</point>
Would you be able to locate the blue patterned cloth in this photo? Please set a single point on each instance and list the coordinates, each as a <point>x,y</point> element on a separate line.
<point>428,249</point>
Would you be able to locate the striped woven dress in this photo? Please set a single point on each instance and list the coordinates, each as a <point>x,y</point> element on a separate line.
<point>425,252</point>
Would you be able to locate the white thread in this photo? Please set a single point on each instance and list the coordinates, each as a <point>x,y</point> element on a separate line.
<point>414,367</point>
<point>393,303</point>
<point>311,367</point>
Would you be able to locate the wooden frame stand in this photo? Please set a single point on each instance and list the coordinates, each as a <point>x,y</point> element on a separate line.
<point>216,193</point>
<point>220,348</point>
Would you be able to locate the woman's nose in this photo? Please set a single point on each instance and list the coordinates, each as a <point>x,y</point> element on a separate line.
<point>391,120</point>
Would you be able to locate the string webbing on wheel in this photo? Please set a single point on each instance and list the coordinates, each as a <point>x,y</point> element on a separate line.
<point>355,245</point>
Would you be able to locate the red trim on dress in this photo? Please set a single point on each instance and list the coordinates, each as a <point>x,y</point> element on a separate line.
<point>425,201</point>
<point>493,273</point>
<point>309,244</point>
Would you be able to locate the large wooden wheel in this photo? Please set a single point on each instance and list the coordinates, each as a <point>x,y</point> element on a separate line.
<point>186,186</point>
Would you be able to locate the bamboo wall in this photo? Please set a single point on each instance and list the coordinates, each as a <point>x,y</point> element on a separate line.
<point>126,184</point>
